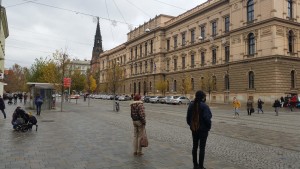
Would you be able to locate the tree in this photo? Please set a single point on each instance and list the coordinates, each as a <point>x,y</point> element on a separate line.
<point>207,83</point>
<point>162,86</point>
<point>186,85</point>
<point>78,81</point>
<point>91,84</point>
<point>114,78</point>
<point>16,79</point>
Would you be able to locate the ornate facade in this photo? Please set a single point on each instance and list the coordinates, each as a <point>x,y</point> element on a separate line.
<point>251,48</point>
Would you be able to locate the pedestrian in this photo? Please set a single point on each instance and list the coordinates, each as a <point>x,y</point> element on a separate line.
<point>199,119</point>
<point>259,106</point>
<point>249,106</point>
<point>282,101</point>
<point>15,98</point>
<point>2,107</point>
<point>236,105</point>
<point>25,98</point>
<point>276,105</point>
<point>38,102</point>
<point>139,122</point>
<point>20,96</point>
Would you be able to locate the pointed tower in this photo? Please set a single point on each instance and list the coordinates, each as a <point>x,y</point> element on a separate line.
<point>97,49</point>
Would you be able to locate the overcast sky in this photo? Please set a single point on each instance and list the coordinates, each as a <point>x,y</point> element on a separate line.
<point>39,27</point>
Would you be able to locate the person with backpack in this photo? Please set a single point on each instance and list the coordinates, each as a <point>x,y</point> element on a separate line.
<point>139,122</point>
<point>259,106</point>
<point>199,119</point>
<point>38,102</point>
<point>2,107</point>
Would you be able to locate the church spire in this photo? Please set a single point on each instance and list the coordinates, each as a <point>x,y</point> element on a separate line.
<point>97,49</point>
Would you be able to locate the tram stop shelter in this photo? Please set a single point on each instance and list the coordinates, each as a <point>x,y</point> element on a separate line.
<point>46,90</point>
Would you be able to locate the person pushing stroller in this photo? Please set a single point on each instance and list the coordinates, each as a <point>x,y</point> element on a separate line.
<point>22,121</point>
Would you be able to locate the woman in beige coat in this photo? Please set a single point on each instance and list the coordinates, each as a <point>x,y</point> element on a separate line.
<point>139,122</point>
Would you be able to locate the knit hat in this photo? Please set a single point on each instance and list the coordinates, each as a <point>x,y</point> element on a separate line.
<point>137,97</point>
<point>200,95</point>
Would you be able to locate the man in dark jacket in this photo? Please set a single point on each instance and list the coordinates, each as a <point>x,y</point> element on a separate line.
<point>2,107</point>
<point>199,119</point>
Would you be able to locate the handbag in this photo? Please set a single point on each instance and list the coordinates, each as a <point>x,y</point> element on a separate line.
<point>144,140</point>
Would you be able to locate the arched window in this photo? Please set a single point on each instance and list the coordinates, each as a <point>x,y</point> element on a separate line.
<point>145,88</point>
<point>175,86</point>
<point>227,87</point>
<point>150,86</point>
<point>251,80</point>
<point>202,83</point>
<point>134,88</point>
<point>293,79</point>
<point>214,83</point>
<point>290,9</point>
<point>291,41</point>
<point>251,44</point>
<point>250,11</point>
<point>168,86</point>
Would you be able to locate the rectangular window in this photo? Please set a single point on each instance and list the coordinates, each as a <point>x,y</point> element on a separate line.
<point>141,51</point>
<point>151,46</point>
<point>146,67</point>
<point>202,58</point>
<point>131,54</point>
<point>175,42</point>
<point>227,24</point>
<point>168,44</point>
<point>175,64</point>
<point>151,66</point>
<point>146,50</point>
<point>290,9</point>
<point>202,33</point>
<point>192,36</point>
<point>192,61</point>
<point>214,28</point>
<point>227,54</point>
<point>183,39</point>
<point>183,62</point>
<point>136,53</point>
<point>141,68</point>
<point>214,56</point>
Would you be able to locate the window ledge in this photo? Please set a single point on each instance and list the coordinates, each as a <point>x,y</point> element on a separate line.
<point>251,90</point>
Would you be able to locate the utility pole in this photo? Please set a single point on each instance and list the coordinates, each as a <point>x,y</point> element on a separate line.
<point>63,64</point>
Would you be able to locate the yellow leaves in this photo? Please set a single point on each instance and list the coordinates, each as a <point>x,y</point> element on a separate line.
<point>92,83</point>
<point>161,86</point>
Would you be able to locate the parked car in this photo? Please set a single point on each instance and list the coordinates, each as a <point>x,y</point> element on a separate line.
<point>162,100</point>
<point>180,100</point>
<point>169,99</point>
<point>74,96</point>
<point>124,98</point>
<point>155,99</point>
<point>146,99</point>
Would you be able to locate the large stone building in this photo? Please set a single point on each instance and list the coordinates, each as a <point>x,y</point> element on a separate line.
<point>3,35</point>
<point>249,48</point>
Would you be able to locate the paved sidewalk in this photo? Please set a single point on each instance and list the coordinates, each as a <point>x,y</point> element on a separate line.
<point>85,139</point>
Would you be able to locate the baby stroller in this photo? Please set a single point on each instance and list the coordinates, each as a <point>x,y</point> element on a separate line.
<point>23,121</point>
<point>10,101</point>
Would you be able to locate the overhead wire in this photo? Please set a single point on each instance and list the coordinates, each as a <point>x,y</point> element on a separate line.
<point>138,8</point>
<point>109,18</point>
<point>120,11</point>
<point>170,5</point>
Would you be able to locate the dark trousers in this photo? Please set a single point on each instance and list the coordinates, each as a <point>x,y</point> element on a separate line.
<point>38,109</point>
<point>199,140</point>
<point>249,111</point>
<point>3,112</point>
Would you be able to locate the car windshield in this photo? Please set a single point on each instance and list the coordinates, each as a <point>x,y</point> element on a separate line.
<point>175,97</point>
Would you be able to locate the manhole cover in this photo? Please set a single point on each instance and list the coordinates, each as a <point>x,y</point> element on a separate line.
<point>47,120</point>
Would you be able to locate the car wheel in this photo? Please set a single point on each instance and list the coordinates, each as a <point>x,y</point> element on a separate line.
<point>179,103</point>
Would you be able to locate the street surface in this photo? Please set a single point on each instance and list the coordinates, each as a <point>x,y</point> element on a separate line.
<point>95,137</point>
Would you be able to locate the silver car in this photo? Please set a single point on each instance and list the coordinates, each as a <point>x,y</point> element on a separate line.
<point>155,99</point>
<point>162,100</point>
<point>180,100</point>
<point>169,99</point>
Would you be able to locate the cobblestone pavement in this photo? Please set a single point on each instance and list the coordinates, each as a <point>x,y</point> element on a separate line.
<point>89,137</point>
